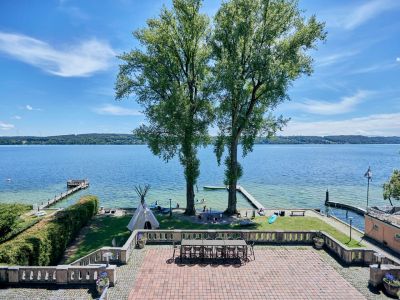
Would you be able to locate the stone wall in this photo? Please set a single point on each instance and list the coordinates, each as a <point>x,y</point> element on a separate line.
<point>60,275</point>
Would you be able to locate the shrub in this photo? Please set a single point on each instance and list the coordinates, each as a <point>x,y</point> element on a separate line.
<point>44,243</point>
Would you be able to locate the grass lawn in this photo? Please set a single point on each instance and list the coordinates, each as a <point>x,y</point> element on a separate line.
<point>100,233</point>
<point>102,230</point>
<point>281,223</point>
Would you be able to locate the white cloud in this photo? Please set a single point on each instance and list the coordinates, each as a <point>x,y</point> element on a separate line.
<point>374,68</point>
<point>115,110</point>
<point>373,125</point>
<point>79,60</point>
<point>6,126</point>
<point>17,117</point>
<point>366,12</point>
<point>334,58</point>
<point>398,59</point>
<point>346,104</point>
<point>30,108</point>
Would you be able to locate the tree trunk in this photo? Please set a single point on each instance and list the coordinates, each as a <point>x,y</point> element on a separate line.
<point>190,209</point>
<point>233,177</point>
<point>390,200</point>
<point>191,165</point>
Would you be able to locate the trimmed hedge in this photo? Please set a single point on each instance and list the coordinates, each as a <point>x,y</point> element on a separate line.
<point>45,243</point>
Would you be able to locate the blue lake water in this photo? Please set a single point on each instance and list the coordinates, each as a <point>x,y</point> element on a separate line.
<point>278,176</point>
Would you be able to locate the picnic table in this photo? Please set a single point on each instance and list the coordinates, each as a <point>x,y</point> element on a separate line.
<point>213,244</point>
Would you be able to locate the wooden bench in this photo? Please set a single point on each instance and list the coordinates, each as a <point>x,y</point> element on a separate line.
<point>294,213</point>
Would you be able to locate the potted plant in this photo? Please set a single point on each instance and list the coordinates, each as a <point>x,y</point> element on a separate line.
<point>102,282</point>
<point>141,241</point>
<point>392,285</point>
<point>318,241</point>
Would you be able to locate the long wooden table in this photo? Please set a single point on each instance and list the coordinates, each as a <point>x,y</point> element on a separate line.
<point>213,243</point>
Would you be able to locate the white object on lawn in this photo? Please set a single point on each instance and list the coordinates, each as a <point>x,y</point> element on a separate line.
<point>143,218</point>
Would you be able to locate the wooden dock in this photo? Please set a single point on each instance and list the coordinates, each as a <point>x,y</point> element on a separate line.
<point>241,190</point>
<point>73,186</point>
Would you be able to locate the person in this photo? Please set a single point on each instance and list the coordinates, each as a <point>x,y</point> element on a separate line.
<point>197,200</point>
<point>202,200</point>
<point>204,208</point>
<point>177,205</point>
<point>156,203</point>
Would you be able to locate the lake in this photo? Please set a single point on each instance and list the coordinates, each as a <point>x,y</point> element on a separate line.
<point>278,176</point>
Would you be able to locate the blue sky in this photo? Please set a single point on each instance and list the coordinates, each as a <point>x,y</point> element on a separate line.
<point>58,67</point>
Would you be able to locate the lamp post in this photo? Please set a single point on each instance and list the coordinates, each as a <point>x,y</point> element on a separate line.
<point>351,222</point>
<point>368,175</point>
<point>170,208</point>
<point>379,256</point>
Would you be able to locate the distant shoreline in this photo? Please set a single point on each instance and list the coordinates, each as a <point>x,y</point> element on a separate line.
<point>129,139</point>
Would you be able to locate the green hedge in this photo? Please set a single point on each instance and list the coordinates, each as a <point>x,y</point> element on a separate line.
<point>45,243</point>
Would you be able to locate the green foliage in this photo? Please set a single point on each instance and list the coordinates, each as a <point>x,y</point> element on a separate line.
<point>259,49</point>
<point>391,189</point>
<point>169,76</point>
<point>9,217</point>
<point>44,243</point>
<point>130,139</point>
<point>101,231</point>
<point>73,139</point>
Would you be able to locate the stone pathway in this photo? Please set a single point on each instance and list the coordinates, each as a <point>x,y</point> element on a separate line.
<point>279,273</point>
<point>356,276</point>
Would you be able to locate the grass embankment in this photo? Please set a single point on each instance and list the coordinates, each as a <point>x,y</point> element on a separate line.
<point>102,230</point>
<point>100,233</point>
<point>14,220</point>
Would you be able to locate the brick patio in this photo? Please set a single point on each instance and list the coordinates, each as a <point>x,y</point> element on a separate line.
<point>275,274</point>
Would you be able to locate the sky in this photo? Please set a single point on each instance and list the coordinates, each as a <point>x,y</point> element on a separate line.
<point>58,62</point>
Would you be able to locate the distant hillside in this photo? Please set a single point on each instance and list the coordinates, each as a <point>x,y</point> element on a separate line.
<point>129,139</point>
<point>72,139</point>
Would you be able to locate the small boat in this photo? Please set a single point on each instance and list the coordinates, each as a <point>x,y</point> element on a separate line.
<point>272,219</point>
<point>40,213</point>
<point>210,187</point>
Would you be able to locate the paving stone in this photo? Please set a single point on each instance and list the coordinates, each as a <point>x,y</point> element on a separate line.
<point>280,273</point>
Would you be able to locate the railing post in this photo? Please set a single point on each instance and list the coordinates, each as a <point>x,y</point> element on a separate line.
<point>13,274</point>
<point>62,274</point>
<point>112,274</point>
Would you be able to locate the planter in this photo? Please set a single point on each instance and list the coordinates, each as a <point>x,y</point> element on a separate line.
<point>391,290</point>
<point>141,243</point>
<point>101,289</point>
<point>318,243</point>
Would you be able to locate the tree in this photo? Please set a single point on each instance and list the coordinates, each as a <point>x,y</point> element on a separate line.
<point>169,75</point>
<point>391,189</point>
<point>259,48</point>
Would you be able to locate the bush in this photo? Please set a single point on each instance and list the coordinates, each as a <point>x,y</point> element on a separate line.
<point>44,243</point>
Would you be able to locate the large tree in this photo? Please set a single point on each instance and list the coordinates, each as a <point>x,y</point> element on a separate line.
<point>169,75</point>
<point>391,189</point>
<point>259,48</point>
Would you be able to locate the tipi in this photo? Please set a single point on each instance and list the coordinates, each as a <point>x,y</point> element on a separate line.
<point>143,218</point>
